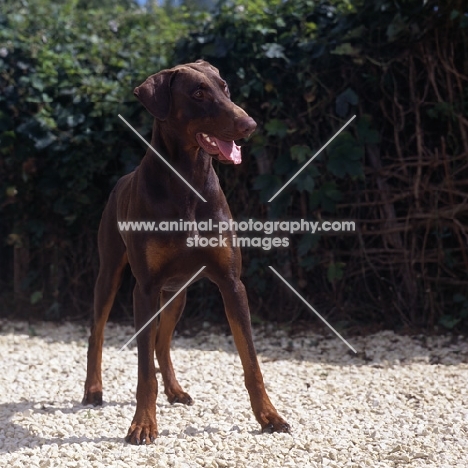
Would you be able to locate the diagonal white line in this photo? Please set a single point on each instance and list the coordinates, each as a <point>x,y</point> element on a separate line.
<point>162,159</point>
<point>162,308</point>
<point>311,308</point>
<point>312,158</point>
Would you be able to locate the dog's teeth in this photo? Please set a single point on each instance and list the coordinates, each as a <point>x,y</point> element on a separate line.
<point>209,140</point>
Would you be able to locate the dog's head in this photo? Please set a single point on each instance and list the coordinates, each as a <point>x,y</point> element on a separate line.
<point>195,100</point>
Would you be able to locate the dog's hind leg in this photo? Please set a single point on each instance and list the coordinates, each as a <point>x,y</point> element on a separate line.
<point>113,259</point>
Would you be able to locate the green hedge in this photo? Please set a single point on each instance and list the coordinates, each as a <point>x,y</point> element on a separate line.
<point>65,74</point>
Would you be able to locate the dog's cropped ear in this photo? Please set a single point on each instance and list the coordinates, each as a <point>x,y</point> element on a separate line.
<point>155,93</point>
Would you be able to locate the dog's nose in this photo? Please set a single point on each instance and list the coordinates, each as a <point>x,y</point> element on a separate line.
<point>246,126</point>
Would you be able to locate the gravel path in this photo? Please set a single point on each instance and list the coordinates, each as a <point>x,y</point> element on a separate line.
<point>400,402</point>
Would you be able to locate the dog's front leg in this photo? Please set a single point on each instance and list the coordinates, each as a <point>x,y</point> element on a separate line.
<point>144,429</point>
<point>238,315</point>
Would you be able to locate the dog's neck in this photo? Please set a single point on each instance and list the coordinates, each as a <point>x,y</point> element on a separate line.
<point>190,162</point>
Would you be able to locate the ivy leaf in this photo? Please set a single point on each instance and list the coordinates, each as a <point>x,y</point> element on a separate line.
<point>267,184</point>
<point>276,127</point>
<point>45,141</point>
<point>300,153</point>
<point>326,197</point>
<point>345,156</point>
<point>274,50</point>
<point>343,101</point>
<point>36,297</point>
<point>346,49</point>
<point>304,182</point>
<point>74,120</point>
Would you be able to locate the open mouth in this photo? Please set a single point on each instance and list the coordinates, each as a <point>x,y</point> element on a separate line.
<point>226,151</point>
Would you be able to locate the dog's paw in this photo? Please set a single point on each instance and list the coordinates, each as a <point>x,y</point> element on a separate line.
<point>270,428</point>
<point>276,424</point>
<point>180,397</point>
<point>142,433</point>
<point>92,398</point>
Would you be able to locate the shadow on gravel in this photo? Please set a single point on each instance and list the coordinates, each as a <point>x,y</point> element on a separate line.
<point>30,438</point>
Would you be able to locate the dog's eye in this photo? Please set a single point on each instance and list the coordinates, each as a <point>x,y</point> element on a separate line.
<point>198,94</point>
<point>226,89</point>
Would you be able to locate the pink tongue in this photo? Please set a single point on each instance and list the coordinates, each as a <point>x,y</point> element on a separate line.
<point>229,151</point>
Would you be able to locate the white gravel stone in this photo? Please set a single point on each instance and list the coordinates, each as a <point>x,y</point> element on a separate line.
<point>400,402</point>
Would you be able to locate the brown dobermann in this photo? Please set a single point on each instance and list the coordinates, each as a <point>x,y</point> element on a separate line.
<point>195,121</point>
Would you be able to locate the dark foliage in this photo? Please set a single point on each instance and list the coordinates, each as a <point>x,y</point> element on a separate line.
<point>301,68</point>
